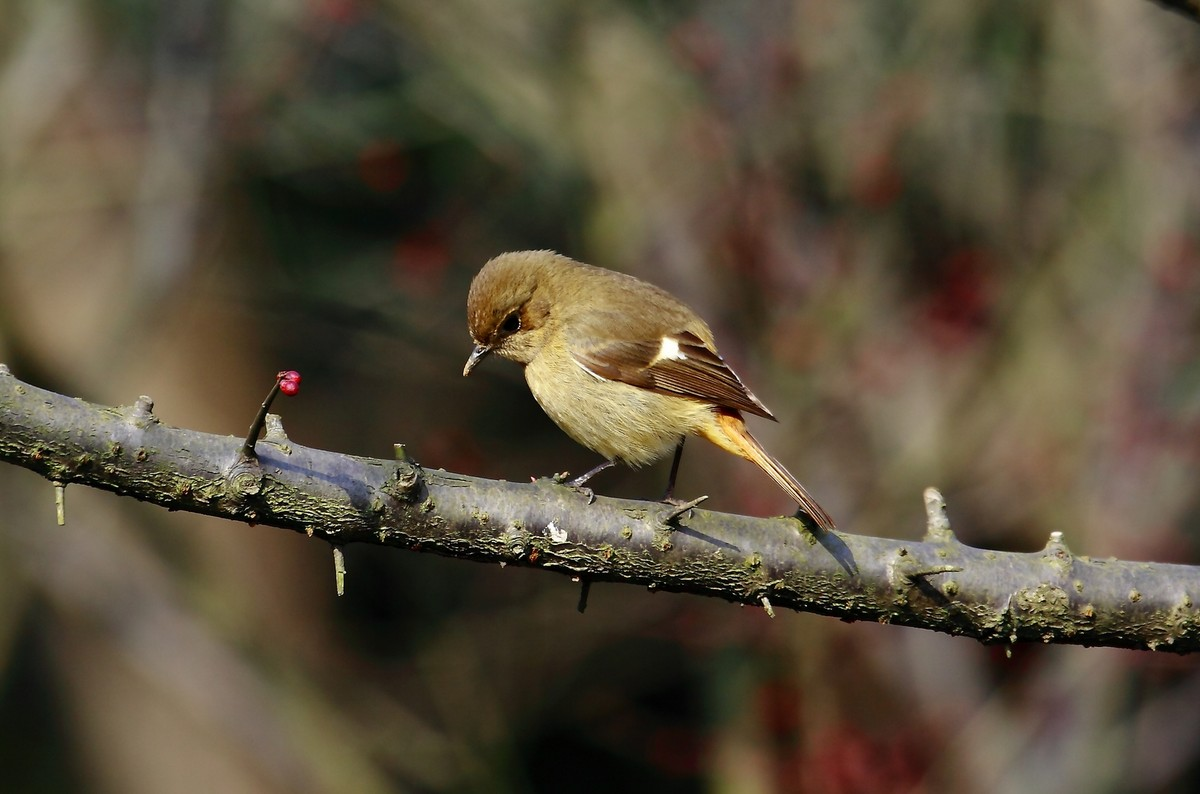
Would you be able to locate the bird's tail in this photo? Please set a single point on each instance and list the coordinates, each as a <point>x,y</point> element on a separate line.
<point>730,434</point>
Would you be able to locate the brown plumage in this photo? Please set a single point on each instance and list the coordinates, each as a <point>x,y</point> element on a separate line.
<point>623,367</point>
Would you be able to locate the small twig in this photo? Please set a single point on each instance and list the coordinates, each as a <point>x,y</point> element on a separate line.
<point>286,381</point>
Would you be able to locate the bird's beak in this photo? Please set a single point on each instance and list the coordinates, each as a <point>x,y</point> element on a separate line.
<point>476,356</point>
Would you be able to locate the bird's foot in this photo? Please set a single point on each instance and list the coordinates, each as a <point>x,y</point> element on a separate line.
<point>678,509</point>
<point>575,484</point>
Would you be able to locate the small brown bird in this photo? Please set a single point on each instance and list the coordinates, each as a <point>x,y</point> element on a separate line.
<point>623,367</point>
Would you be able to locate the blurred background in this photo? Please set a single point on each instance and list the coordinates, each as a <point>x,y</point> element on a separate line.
<point>952,244</point>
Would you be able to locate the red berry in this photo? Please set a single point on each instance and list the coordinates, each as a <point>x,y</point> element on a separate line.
<point>289,387</point>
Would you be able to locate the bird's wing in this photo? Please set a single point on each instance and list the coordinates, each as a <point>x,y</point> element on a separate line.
<point>678,363</point>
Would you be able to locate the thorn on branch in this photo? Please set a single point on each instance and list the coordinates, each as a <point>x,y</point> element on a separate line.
<point>274,431</point>
<point>60,503</point>
<point>585,587</point>
<point>286,381</point>
<point>1055,543</point>
<point>143,407</point>
<point>1008,617</point>
<point>924,572</point>
<point>770,610</point>
<point>937,523</point>
<point>339,570</point>
<point>906,572</point>
<point>671,518</point>
<point>1057,555</point>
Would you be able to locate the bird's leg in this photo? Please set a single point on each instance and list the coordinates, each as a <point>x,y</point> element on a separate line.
<point>577,483</point>
<point>582,478</point>
<point>680,506</point>
<point>669,496</point>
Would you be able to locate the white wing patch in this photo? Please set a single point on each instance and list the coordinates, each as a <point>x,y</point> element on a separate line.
<point>669,350</point>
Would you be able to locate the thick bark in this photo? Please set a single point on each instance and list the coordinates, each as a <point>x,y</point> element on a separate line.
<point>936,583</point>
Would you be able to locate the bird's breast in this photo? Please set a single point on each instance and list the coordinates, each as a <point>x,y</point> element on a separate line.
<point>616,420</point>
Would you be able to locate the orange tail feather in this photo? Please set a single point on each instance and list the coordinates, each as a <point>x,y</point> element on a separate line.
<point>730,434</point>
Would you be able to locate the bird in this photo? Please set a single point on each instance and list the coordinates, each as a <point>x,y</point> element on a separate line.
<point>620,365</point>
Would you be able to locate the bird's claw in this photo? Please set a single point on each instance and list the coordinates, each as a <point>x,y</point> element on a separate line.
<point>576,485</point>
<point>678,508</point>
<point>583,491</point>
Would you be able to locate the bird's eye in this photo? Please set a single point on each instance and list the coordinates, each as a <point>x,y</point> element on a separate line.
<point>511,324</point>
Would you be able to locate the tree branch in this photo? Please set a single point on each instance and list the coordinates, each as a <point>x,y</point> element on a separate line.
<point>936,583</point>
